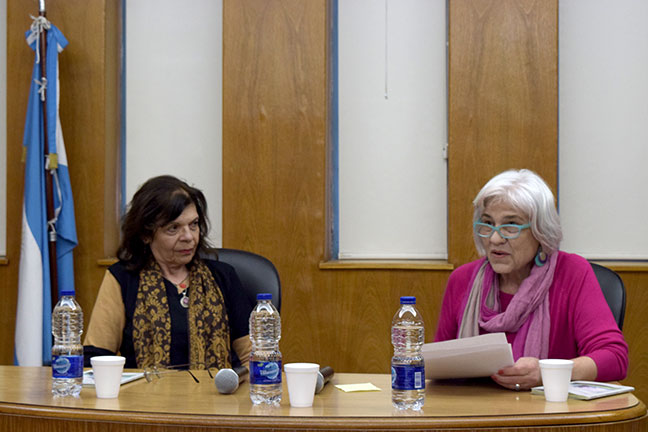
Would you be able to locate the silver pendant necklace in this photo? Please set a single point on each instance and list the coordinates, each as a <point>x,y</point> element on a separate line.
<point>184,300</point>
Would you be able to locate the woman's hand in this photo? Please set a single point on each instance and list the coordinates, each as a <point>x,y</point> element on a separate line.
<point>525,373</point>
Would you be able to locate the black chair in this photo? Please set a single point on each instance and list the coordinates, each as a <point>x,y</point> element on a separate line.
<point>613,291</point>
<point>257,273</point>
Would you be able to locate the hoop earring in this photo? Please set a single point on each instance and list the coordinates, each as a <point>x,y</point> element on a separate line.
<point>540,258</point>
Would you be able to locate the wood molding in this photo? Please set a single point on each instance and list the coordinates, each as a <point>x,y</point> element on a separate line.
<point>385,264</point>
<point>624,266</point>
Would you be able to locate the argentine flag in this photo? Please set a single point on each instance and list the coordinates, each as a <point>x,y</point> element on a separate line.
<point>33,338</point>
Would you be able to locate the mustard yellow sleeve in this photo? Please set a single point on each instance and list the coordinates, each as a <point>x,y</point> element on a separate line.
<point>108,316</point>
<point>243,347</point>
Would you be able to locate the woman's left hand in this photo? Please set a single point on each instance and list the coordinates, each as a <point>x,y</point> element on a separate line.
<point>525,373</point>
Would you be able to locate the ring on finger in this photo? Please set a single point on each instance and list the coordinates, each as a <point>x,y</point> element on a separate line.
<point>517,387</point>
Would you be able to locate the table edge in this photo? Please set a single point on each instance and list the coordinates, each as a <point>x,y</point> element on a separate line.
<point>634,413</point>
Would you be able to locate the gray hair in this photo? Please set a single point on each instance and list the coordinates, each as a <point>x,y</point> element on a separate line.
<point>528,193</point>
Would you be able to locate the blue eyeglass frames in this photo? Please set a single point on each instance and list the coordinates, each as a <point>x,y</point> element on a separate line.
<point>506,231</point>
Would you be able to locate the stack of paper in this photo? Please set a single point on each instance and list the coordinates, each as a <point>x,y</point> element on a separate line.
<point>472,357</point>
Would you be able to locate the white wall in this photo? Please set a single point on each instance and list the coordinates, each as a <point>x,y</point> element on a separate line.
<point>603,134</point>
<point>392,129</point>
<point>174,96</point>
<point>3,127</point>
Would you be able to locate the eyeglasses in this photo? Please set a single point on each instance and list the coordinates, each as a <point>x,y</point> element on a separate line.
<point>506,231</point>
<point>152,373</point>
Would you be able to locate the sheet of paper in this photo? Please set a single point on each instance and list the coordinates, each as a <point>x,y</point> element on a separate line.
<point>88,377</point>
<point>473,357</point>
<point>357,387</point>
<point>470,343</point>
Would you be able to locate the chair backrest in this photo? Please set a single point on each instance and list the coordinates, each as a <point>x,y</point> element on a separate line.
<point>257,273</point>
<point>613,291</point>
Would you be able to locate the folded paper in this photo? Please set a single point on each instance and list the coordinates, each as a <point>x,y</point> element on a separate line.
<point>363,387</point>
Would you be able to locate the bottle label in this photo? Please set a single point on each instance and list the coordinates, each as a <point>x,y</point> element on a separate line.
<point>67,366</point>
<point>407,377</point>
<point>265,372</point>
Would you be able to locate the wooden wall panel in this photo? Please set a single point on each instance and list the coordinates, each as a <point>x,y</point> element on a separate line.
<point>503,101</point>
<point>89,76</point>
<point>635,330</point>
<point>274,130</point>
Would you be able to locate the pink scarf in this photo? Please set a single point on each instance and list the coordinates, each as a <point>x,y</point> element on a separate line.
<point>527,314</point>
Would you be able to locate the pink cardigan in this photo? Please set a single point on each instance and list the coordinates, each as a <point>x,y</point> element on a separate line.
<point>581,321</point>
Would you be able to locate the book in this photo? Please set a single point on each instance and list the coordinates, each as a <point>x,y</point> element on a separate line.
<point>88,377</point>
<point>473,357</point>
<point>588,390</point>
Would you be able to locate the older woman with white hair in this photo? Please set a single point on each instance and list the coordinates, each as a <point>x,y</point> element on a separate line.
<point>547,302</point>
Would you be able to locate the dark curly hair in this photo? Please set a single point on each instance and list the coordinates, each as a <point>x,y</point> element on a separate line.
<point>157,202</point>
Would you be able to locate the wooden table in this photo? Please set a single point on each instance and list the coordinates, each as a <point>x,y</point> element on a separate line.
<point>177,403</point>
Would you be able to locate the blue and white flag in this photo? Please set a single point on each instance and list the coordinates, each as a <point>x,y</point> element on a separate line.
<point>33,338</point>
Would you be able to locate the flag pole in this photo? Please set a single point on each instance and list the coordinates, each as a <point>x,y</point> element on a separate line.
<point>49,188</point>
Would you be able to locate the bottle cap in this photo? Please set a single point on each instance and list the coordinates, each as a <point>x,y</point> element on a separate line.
<point>408,300</point>
<point>264,296</point>
<point>67,293</point>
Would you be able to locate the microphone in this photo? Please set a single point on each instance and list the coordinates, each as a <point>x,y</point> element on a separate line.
<point>323,376</point>
<point>228,380</point>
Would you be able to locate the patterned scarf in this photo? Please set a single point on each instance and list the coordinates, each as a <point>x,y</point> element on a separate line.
<point>209,338</point>
<point>527,314</point>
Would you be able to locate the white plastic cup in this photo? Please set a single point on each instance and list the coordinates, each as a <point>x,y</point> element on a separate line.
<point>556,376</point>
<point>107,371</point>
<point>301,378</point>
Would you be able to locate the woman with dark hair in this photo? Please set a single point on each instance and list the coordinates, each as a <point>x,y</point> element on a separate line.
<point>161,304</point>
<point>547,302</point>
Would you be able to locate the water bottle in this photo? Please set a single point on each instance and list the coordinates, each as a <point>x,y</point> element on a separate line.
<point>407,365</point>
<point>265,358</point>
<point>67,351</point>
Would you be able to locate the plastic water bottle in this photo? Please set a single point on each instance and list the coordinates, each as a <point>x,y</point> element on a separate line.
<point>407,365</point>
<point>265,358</point>
<point>67,351</point>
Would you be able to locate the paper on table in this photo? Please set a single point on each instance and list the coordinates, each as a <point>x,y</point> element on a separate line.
<point>357,387</point>
<point>472,357</point>
<point>587,390</point>
<point>88,377</point>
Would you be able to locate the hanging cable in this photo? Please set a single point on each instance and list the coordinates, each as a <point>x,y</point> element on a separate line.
<point>386,50</point>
